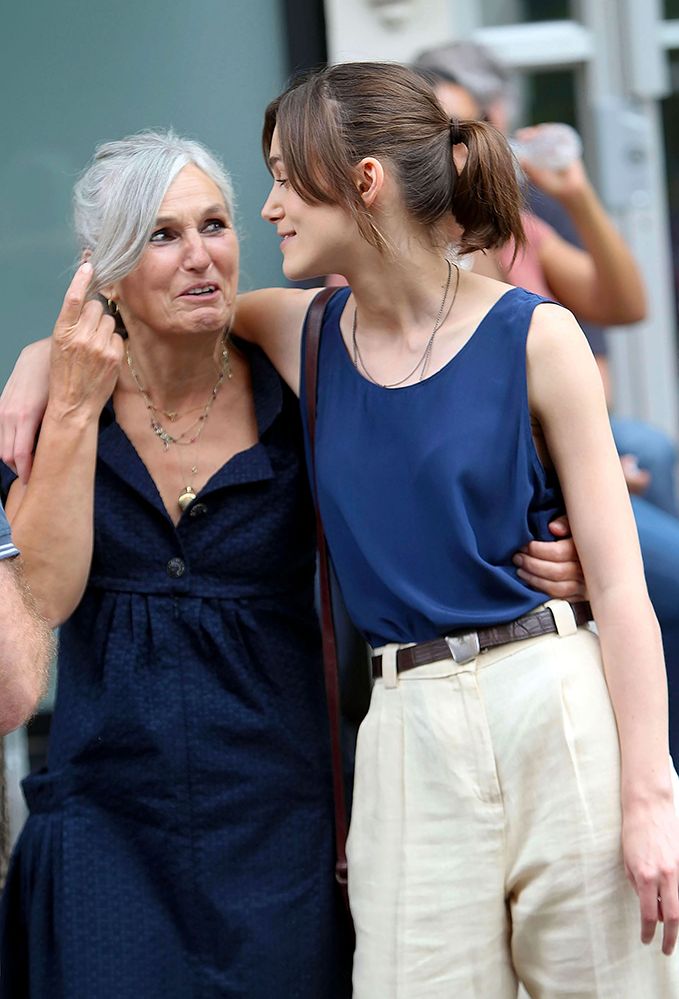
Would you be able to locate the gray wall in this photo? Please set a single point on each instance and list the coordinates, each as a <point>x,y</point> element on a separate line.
<point>74,74</point>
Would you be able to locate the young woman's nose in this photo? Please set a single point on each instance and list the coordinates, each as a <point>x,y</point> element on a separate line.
<point>271,211</point>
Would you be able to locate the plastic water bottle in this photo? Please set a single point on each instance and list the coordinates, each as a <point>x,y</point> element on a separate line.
<point>551,146</point>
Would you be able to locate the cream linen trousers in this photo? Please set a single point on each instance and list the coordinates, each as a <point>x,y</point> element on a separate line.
<point>484,851</point>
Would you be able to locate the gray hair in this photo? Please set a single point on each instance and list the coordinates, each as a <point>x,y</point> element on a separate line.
<point>471,66</point>
<point>117,198</point>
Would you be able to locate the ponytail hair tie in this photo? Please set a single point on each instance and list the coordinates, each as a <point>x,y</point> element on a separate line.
<point>456,136</point>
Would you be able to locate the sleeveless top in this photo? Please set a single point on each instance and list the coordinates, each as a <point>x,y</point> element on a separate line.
<point>427,491</point>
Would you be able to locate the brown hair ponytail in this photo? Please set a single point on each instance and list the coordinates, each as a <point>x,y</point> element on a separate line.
<point>487,199</point>
<point>330,120</point>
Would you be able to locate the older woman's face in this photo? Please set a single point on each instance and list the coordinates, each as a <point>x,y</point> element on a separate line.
<point>187,278</point>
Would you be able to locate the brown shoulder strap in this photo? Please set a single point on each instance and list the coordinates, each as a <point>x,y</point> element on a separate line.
<point>314,322</point>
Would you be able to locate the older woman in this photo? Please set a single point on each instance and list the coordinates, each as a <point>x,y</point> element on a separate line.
<point>180,841</point>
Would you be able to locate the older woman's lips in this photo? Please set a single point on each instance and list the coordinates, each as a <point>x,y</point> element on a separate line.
<point>201,292</point>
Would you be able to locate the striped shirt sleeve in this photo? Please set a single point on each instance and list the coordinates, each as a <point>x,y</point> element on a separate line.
<point>7,548</point>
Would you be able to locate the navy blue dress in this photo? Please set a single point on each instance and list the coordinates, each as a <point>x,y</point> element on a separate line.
<point>180,841</point>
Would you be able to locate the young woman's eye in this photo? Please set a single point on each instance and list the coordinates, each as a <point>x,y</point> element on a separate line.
<point>160,236</point>
<point>282,181</point>
<point>215,225</point>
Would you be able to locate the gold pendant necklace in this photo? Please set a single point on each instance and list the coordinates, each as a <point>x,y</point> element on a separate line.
<point>188,493</point>
<point>186,496</point>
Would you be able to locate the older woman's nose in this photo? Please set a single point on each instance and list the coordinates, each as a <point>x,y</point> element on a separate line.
<point>196,253</point>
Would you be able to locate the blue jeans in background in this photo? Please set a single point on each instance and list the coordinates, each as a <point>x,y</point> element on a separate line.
<point>659,538</point>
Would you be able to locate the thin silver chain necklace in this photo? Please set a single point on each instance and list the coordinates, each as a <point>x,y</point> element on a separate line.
<point>423,362</point>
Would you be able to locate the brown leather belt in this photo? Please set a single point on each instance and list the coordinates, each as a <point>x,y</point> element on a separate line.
<point>462,647</point>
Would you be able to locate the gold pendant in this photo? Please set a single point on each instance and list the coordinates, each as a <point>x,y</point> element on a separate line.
<point>186,497</point>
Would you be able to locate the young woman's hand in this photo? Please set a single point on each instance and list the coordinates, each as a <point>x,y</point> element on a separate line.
<point>553,566</point>
<point>22,406</point>
<point>650,843</point>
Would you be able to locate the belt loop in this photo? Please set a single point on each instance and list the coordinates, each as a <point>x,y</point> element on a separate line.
<point>564,618</point>
<point>389,675</point>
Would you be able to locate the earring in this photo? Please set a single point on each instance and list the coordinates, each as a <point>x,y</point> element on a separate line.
<point>112,306</point>
<point>225,359</point>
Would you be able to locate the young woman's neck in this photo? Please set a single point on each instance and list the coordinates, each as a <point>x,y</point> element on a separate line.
<point>396,292</point>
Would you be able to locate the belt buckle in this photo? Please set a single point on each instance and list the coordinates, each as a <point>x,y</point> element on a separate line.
<point>463,648</point>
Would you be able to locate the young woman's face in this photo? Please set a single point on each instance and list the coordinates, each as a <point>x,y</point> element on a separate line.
<point>187,278</point>
<point>315,239</point>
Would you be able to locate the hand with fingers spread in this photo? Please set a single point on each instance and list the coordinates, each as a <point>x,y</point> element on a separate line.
<point>553,566</point>
<point>650,840</point>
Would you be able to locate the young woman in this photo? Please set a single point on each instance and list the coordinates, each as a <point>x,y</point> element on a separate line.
<point>513,814</point>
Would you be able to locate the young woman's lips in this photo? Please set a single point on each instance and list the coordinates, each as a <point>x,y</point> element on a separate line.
<point>286,237</point>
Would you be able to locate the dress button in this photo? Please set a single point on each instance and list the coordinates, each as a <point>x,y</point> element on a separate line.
<point>175,568</point>
<point>197,510</point>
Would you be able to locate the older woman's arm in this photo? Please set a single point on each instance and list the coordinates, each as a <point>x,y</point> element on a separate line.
<point>52,514</point>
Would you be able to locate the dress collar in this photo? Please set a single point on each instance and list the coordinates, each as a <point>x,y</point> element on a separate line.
<point>117,452</point>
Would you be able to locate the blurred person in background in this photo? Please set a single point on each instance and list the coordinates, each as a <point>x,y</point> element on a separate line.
<point>472,81</point>
<point>600,282</point>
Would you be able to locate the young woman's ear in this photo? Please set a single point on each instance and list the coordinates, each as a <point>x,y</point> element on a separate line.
<point>369,179</point>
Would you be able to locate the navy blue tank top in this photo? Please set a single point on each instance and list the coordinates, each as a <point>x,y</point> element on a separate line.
<point>427,491</point>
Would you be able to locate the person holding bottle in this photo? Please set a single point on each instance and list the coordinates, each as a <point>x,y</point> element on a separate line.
<point>601,284</point>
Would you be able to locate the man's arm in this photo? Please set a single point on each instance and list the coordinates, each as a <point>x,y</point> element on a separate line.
<point>26,648</point>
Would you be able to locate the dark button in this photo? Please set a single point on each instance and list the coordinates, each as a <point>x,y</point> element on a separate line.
<point>175,568</point>
<point>197,510</point>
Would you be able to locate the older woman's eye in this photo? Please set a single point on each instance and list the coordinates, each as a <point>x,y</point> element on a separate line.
<point>215,225</point>
<point>160,236</point>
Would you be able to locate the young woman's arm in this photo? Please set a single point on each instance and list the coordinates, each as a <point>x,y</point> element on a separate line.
<point>22,406</point>
<point>52,515</point>
<point>273,318</point>
<point>567,397</point>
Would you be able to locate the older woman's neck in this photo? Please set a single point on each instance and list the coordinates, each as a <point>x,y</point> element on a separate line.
<point>174,369</point>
